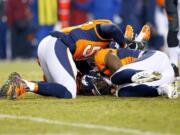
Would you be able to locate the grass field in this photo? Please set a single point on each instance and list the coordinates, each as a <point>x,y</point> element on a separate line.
<point>38,115</point>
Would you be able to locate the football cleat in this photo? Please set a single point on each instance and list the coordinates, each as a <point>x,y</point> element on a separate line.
<point>169,90</point>
<point>14,87</point>
<point>129,34</point>
<point>144,34</point>
<point>145,76</point>
<point>4,88</point>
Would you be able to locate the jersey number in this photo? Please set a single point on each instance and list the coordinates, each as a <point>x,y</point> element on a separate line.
<point>89,50</point>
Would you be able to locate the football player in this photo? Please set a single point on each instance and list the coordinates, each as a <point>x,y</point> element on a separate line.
<point>173,11</point>
<point>57,54</point>
<point>138,73</point>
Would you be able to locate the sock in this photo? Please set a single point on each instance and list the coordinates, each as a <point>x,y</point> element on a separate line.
<point>162,91</point>
<point>33,87</point>
<point>173,54</point>
<point>54,90</point>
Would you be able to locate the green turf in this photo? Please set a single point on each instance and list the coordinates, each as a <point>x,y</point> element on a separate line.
<point>155,115</point>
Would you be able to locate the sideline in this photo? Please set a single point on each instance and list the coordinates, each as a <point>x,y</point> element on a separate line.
<point>82,125</point>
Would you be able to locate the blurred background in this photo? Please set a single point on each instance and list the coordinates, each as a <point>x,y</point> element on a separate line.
<point>23,23</point>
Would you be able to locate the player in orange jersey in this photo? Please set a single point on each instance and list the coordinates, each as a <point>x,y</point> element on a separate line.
<point>136,73</point>
<point>57,54</point>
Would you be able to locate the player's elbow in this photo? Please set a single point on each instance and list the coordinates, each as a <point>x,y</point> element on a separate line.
<point>114,28</point>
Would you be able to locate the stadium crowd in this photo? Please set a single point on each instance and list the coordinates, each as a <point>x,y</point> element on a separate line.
<point>23,23</point>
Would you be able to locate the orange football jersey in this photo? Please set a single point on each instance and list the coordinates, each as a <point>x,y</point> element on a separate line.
<point>125,56</point>
<point>86,38</point>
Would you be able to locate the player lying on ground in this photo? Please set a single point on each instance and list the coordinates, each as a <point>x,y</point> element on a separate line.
<point>57,54</point>
<point>137,73</point>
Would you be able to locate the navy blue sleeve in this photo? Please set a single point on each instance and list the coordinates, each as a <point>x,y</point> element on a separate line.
<point>112,31</point>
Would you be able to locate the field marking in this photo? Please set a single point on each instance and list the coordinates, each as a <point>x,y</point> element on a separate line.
<point>82,125</point>
<point>39,134</point>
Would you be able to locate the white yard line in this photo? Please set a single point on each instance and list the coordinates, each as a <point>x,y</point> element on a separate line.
<point>47,133</point>
<point>83,125</point>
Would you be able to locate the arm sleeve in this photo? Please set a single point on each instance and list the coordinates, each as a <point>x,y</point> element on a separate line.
<point>108,31</point>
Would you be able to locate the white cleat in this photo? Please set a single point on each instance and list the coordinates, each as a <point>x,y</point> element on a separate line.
<point>169,90</point>
<point>146,76</point>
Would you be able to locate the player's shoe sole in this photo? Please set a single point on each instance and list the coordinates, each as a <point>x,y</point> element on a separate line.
<point>129,34</point>
<point>144,35</point>
<point>6,86</point>
<point>145,76</point>
<point>147,32</point>
<point>11,88</point>
<point>4,89</point>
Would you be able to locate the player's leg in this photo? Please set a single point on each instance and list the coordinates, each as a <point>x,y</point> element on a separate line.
<point>135,90</point>
<point>150,61</point>
<point>61,68</point>
<point>143,90</point>
<point>42,48</point>
<point>124,74</point>
<point>14,79</point>
<point>172,38</point>
<point>161,63</point>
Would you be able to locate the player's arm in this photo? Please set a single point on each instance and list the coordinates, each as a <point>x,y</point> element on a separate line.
<point>109,31</point>
<point>112,62</point>
<point>107,61</point>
